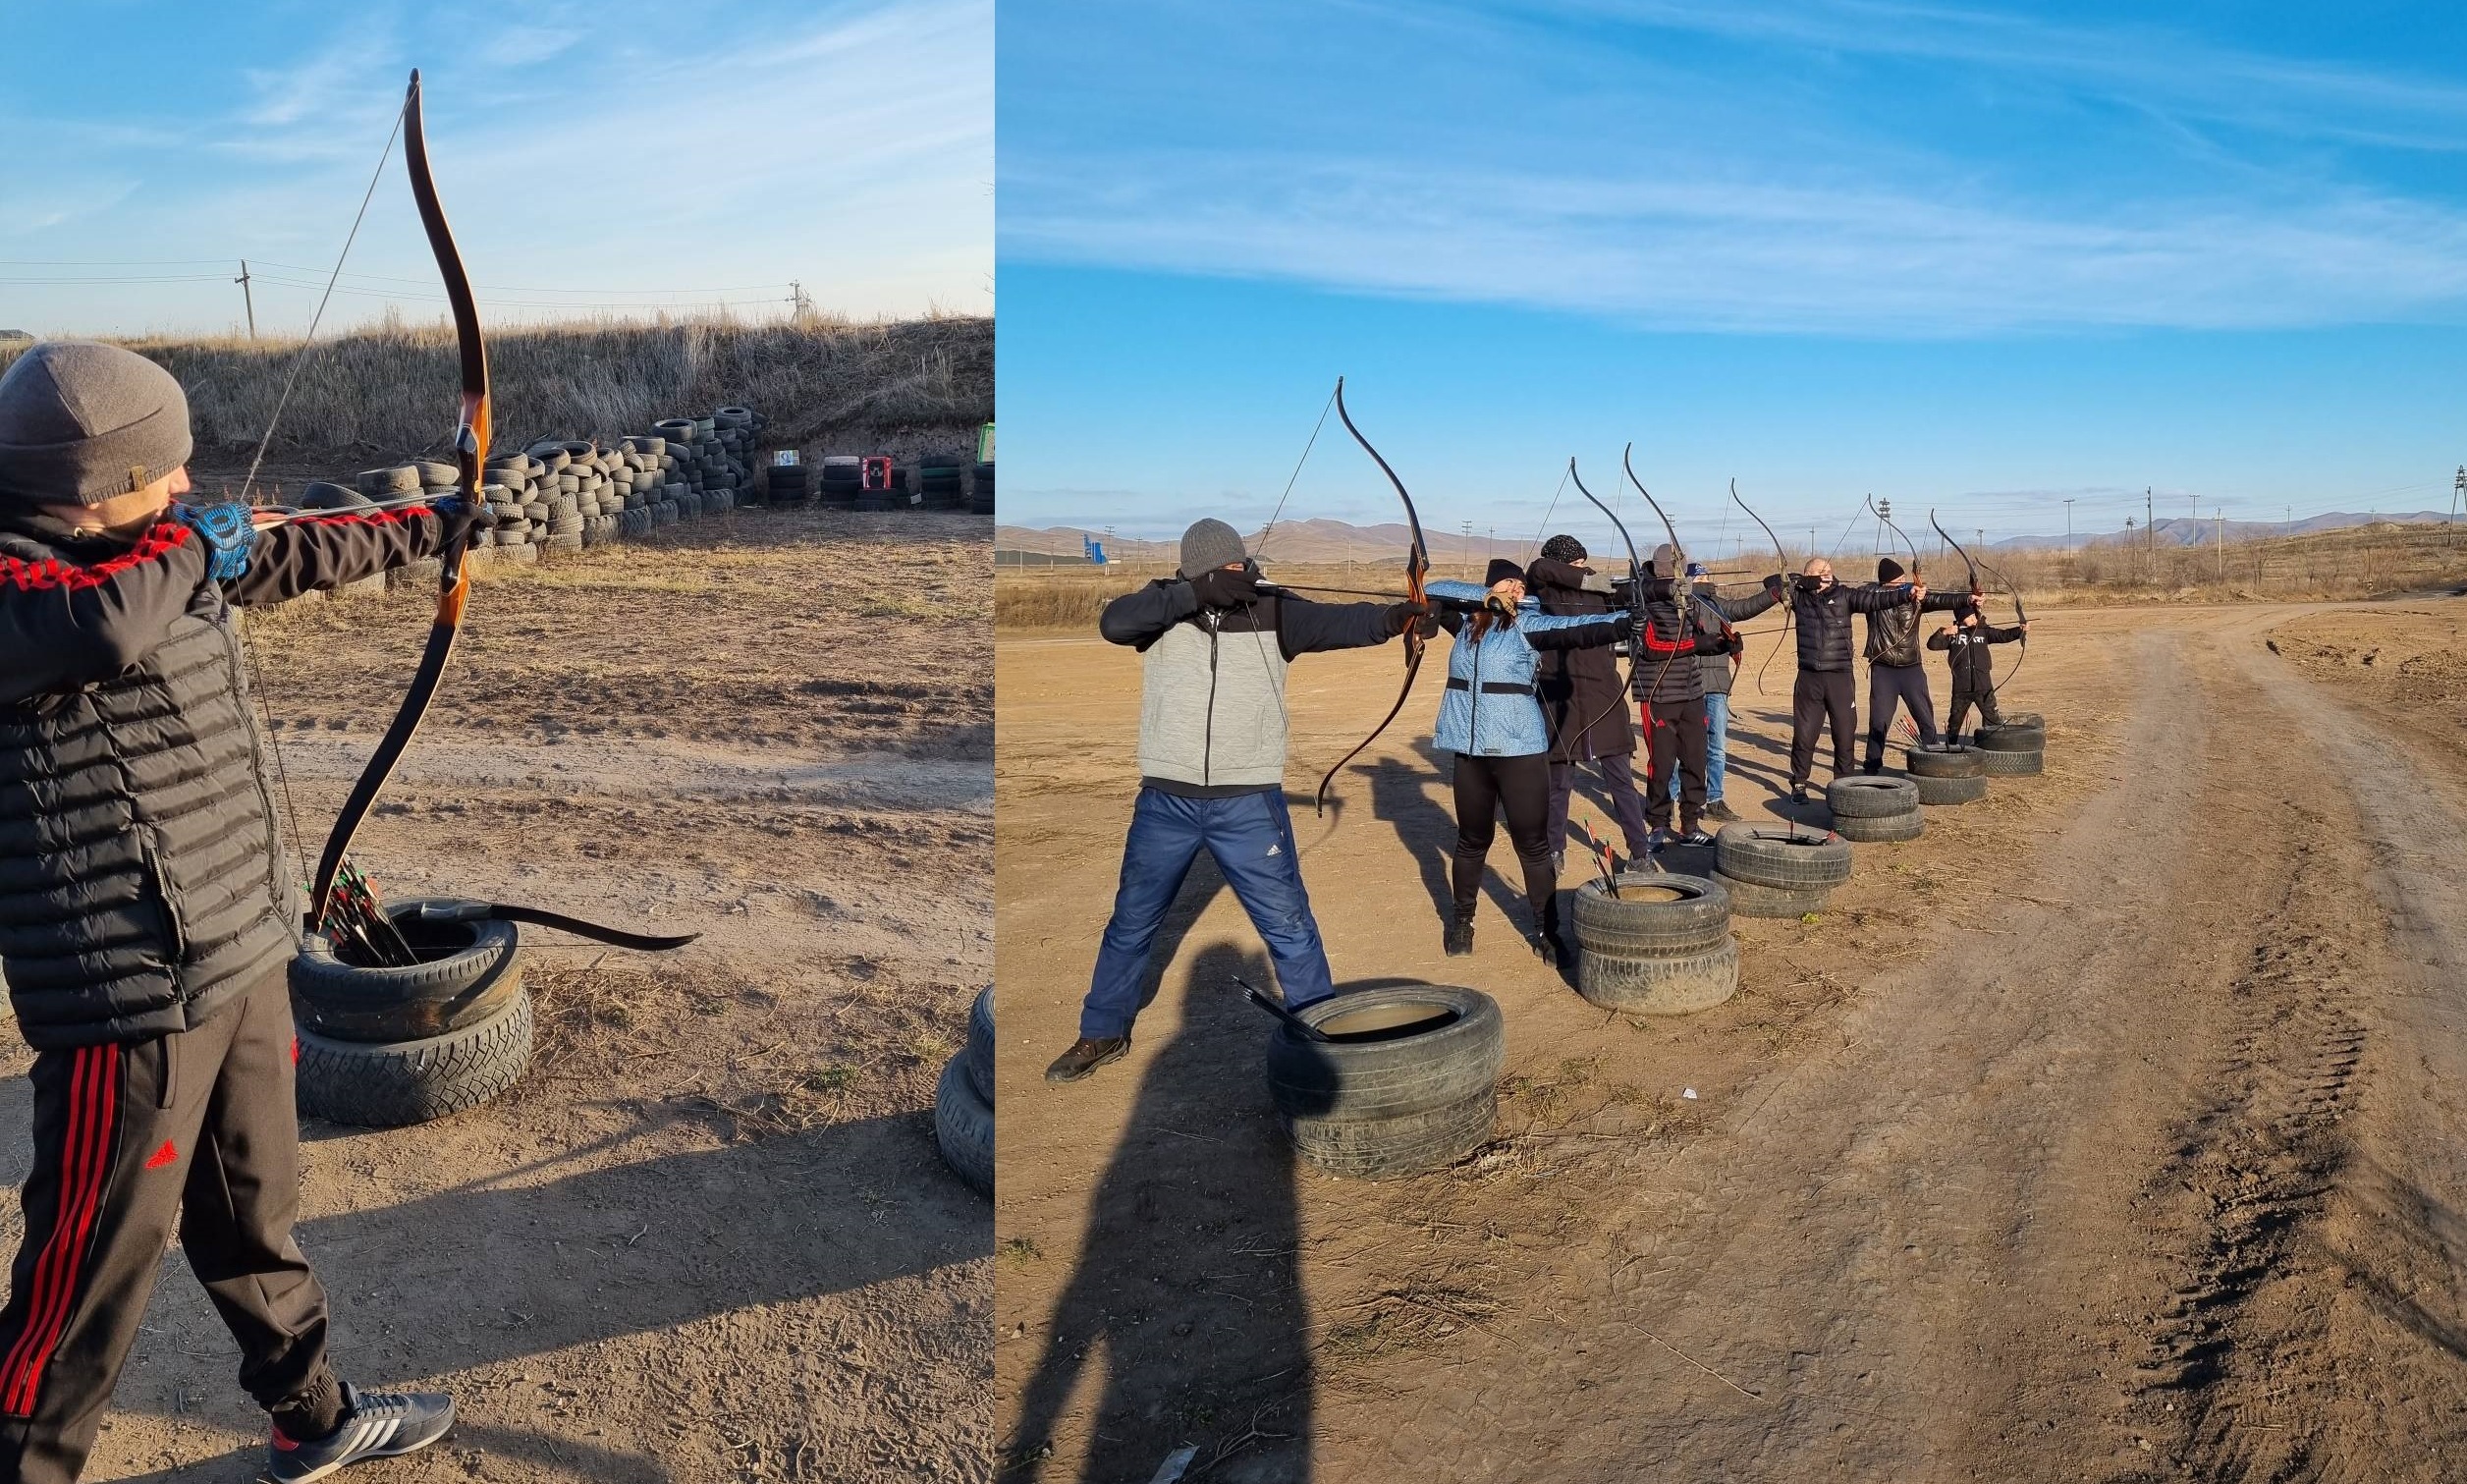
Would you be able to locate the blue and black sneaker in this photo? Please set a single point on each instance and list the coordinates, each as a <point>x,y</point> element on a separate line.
<point>375,1425</point>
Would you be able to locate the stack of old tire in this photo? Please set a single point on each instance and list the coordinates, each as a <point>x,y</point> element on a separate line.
<point>708,460</point>
<point>1403,1077</point>
<point>893,498</point>
<point>963,1101</point>
<point>939,478</point>
<point>2016,748</point>
<point>1654,943</point>
<point>380,1048</point>
<point>785,485</point>
<point>1785,871</point>
<point>842,480</point>
<point>1949,773</point>
<point>981,489</point>
<point>1874,808</point>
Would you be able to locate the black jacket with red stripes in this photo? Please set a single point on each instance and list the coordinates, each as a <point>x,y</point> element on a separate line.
<point>142,883</point>
<point>1669,666</point>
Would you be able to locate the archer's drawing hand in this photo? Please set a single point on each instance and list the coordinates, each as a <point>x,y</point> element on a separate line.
<point>1226,587</point>
<point>1596,581</point>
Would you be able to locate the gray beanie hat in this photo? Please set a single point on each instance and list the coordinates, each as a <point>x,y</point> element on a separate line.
<point>1664,558</point>
<point>1210,544</point>
<point>81,423</point>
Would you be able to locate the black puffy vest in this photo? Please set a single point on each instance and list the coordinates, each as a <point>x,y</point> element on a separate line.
<point>141,879</point>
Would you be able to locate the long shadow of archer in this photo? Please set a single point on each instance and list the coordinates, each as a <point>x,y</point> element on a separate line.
<point>1189,1291</point>
<point>1426,825</point>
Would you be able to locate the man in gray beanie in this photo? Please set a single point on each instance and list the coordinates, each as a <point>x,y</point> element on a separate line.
<point>146,918</point>
<point>1581,699</point>
<point>1215,641</point>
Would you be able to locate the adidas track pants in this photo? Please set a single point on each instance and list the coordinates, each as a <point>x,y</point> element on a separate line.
<point>197,1125</point>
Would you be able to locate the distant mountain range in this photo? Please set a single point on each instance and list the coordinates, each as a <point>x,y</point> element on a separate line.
<point>1320,544</point>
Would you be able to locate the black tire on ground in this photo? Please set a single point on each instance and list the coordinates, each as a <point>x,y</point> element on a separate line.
<point>1749,899</point>
<point>981,1052</point>
<point>389,1084</point>
<point>1788,860</point>
<point>1870,796</point>
<point>1954,761</point>
<point>1410,1144</point>
<point>467,973</point>
<point>1399,1048</point>
<point>963,1127</point>
<point>2013,738</point>
<point>1885,831</point>
<point>1667,985</point>
<point>2016,764</point>
<point>1951,791</point>
<point>1659,914</point>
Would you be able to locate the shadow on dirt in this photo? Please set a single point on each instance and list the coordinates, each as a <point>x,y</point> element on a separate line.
<point>1187,1299</point>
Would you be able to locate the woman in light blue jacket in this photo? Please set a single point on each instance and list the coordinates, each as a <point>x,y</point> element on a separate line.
<point>1491,720</point>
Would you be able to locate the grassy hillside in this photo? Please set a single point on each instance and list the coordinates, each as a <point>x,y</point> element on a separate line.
<point>389,392</point>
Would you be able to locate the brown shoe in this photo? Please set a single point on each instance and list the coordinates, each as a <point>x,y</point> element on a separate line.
<point>1086,1055</point>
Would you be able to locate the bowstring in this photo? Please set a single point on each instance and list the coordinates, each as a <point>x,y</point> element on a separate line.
<point>245,622</point>
<point>1258,640</point>
<point>1534,547</point>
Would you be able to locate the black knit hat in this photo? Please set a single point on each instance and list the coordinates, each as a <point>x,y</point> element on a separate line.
<point>1500,571</point>
<point>1887,569</point>
<point>1564,548</point>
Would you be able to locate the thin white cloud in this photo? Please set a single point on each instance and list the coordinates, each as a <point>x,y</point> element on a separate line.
<point>1588,166</point>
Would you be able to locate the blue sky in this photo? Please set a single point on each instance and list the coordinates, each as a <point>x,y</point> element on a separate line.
<point>591,156</point>
<point>1975,258</point>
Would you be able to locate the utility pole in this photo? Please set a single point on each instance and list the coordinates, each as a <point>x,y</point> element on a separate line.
<point>247,298</point>
<point>2068,527</point>
<point>2150,530</point>
<point>798,304</point>
<point>2458,490</point>
<point>1464,562</point>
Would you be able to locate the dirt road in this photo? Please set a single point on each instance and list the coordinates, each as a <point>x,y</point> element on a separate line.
<point>2113,1129</point>
<point>709,1237</point>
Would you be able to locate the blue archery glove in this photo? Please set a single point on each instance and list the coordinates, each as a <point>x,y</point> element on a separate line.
<point>457,518</point>
<point>229,535</point>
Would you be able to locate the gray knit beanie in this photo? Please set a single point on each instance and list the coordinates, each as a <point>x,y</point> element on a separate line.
<point>1666,561</point>
<point>81,423</point>
<point>1210,544</point>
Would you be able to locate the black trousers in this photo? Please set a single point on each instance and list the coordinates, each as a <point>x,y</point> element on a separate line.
<point>1676,733</point>
<point>1963,700</point>
<point>198,1125</point>
<point>1817,696</point>
<point>1889,686</point>
<point>1520,787</point>
<point>1618,780</point>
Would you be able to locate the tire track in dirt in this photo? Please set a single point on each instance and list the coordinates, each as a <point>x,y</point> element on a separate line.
<point>1906,1249</point>
<point>2319,1334</point>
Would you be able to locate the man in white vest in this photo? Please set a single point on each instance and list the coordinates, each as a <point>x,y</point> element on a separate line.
<point>1215,641</point>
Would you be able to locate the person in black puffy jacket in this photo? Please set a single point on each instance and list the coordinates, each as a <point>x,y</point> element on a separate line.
<point>1825,690</point>
<point>146,918</point>
<point>1974,670</point>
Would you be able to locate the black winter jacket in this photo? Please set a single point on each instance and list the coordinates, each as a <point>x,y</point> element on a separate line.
<point>142,883</point>
<point>1892,633</point>
<point>1824,616</point>
<point>1578,686</point>
<point>1966,650</point>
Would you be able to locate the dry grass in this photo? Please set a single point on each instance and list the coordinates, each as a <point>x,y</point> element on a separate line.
<point>388,392</point>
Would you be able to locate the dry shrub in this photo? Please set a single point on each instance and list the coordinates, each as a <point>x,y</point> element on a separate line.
<point>386,392</point>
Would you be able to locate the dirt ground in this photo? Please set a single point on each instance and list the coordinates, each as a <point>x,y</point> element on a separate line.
<point>709,1237</point>
<point>2113,1129</point>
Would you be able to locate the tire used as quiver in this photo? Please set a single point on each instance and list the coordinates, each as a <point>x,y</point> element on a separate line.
<point>1662,947</point>
<point>1407,1083</point>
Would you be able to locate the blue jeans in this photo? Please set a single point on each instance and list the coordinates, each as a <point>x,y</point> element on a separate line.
<point>1250,836</point>
<point>1717,747</point>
